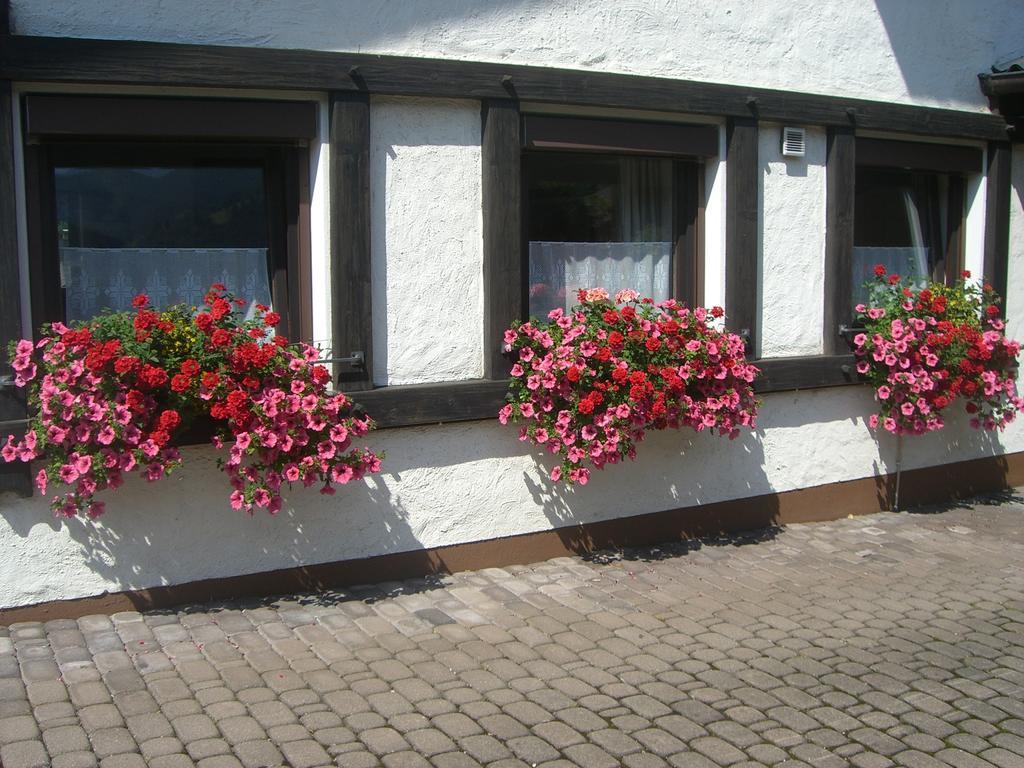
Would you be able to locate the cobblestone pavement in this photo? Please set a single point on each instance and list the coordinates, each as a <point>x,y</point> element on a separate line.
<point>890,639</point>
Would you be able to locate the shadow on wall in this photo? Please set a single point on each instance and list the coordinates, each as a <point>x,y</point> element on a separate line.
<point>361,24</point>
<point>956,440</point>
<point>975,35</point>
<point>744,456</point>
<point>105,548</point>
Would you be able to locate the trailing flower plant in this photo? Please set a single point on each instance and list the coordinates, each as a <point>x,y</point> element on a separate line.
<point>117,390</point>
<point>589,383</point>
<point>924,347</point>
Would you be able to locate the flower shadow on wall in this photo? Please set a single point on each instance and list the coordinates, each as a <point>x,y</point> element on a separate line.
<point>956,442</point>
<point>679,488</point>
<point>130,551</point>
<point>172,543</point>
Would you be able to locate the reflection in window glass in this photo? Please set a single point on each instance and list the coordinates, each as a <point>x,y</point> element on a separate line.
<point>169,232</point>
<point>597,221</point>
<point>901,220</point>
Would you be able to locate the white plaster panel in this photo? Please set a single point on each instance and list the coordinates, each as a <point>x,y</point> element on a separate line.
<point>915,51</point>
<point>792,246</point>
<point>426,240</point>
<point>445,485</point>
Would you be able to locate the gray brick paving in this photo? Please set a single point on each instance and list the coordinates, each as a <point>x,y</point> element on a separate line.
<point>890,640</point>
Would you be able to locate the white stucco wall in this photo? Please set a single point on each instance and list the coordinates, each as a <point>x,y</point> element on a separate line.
<point>426,240</point>
<point>919,51</point>
<point>443,485</point>
<point>467,482</point>
<point>792,245</point>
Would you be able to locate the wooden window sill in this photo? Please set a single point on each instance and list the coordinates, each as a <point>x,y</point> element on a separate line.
<point>477,399</point>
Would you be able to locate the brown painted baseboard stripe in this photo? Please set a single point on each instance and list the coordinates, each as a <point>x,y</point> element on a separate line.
<point>833,501</point>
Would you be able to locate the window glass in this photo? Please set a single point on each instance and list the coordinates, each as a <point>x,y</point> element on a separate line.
<point>169,232</point>
<point>597,221</point>
<point>901,220</point>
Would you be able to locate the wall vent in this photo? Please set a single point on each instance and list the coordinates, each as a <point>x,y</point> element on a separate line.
<point>794,142</point>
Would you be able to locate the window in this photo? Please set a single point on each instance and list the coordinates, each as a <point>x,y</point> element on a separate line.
<point>897,203</point>
<point>909,210</point>
<point>613,205</point>
<point>166,197</point>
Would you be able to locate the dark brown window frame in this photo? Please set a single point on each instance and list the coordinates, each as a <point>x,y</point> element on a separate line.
<point>84,130</point>
<point>685,144</point>
<point>847,152</point>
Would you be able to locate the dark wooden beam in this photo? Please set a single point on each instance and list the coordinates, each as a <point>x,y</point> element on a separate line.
<point>152,117</point>
<point>433,403</point>
<point>502,225</point>
<point>841,174</point>
<point>741,228</point>
<point>13,477</point>
<point>582,134</point>
<point>997,215</point>
<point>42,59</point>
<point>480,399</point>
<point>783,374</point>
<point>918,156</point>
<point>350,237</point>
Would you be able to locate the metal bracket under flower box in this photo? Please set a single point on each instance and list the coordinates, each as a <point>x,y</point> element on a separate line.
<point>357,359</point>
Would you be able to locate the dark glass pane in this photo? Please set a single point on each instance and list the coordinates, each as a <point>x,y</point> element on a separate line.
<point>169,232</point>
<point>205,207</point>
<point>597,221</point>
<point>900,220</point>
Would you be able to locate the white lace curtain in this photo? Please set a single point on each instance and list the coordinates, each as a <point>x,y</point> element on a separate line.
<point>98,278</point>
<point>641,260</point>
<point>559,270</point>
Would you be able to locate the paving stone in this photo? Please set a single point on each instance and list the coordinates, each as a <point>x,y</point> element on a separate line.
<point>67,738</point>
<point>382,741</point>
<point>305,754</point>
<point>431,741</point>
<point>532,750</point>
<point>19,728</point>
<point>24,754</point>
<point>241,729</point>
<point>223,761</point>
<point>1002,758</point>
<point>159,747</point>
<point>83,759</point>
<point>194,728</point>
<point>112,741</point>
<point>136,703</point>
<point>721,752</point>
<point>258,754</point>
<point>44,692</point>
